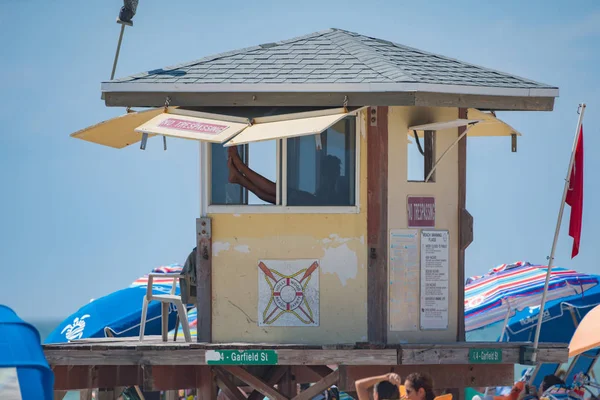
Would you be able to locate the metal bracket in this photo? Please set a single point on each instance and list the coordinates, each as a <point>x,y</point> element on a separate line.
<point>526,355</point>
<point>144,141</point>
<point>513,142</point>
<point>373,116</point>
<point>165,143</point>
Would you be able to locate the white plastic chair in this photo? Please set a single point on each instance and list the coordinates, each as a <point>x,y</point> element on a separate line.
<point>165,299</point>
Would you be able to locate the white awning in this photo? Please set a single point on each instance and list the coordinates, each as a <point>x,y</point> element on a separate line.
<point>285,129</point>
<point>117,132</point>
<point>211,127</point>
<point>486,124</point>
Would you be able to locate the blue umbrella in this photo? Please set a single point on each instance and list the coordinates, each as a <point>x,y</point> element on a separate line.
<point>119,313</point>
<point>21,349</point>
<point>561,317</point>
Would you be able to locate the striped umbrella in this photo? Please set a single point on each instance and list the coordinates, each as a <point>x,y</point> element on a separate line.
<point>509,288</point>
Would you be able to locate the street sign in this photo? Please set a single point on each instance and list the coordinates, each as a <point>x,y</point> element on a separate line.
<point>485,356</point>
<point>241,357</point>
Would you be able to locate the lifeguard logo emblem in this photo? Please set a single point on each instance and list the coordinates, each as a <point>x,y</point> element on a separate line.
<point>74,331</point>
<point>288,293</point>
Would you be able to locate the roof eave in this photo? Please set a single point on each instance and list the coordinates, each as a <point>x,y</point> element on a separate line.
<point>138,94</point>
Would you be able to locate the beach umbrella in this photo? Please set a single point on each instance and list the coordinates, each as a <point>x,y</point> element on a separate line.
<point>118,314</point>
<point>25,371</point>
<point>509,288</point>
<point>561,318</point>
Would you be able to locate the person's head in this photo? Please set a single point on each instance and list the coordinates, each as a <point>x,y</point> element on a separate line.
<point>385,390</point>
<point>549,381</point>
<point>330,169</point>
<point>419,387</point>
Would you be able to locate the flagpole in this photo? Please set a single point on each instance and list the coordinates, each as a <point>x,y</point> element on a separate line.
<point>558,223</point>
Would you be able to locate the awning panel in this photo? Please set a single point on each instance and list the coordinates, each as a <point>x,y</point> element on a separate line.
<point>286,129</point>
<point>117,132</point>
<point>486,125</point>
<point>190,127</point>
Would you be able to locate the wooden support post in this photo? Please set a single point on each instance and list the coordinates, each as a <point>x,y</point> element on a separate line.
<point>227,386</point>
<point>204,279</point>
<point>256,383</point>
<point>272,376</point>
<point>377,204</point>
<point>429,156</point>
<point>318,387</point>
<point>207,389</point>
<point>287,384</point>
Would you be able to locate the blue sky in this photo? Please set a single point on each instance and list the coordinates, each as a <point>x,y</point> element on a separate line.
<point>80,220</point>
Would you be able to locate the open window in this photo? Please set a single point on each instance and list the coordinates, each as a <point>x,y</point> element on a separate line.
<point>421,156</point>
<point>312,170</point>
<point>423,150</point>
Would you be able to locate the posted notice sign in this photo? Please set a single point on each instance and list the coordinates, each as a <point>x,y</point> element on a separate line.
<point>434,279</point>
<point>420,211</point>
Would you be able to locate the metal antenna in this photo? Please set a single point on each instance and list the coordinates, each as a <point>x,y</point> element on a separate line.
<point>125,18</point>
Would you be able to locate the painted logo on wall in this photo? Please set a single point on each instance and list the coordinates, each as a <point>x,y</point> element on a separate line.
<point>288,293</point>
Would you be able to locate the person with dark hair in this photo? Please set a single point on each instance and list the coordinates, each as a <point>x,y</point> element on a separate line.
<point>386,387</point>
<point>548,382</point>
<point>419,387</point>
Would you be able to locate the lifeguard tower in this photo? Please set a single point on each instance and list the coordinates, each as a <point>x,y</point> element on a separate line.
<point>319,259</point>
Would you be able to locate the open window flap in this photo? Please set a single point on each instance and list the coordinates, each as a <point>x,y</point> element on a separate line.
<point>192,127</point>
<point>285,129</point>
<point>117,132</point>
<point>440,126</point>
<point>486,124</point>
<point>489,125</point>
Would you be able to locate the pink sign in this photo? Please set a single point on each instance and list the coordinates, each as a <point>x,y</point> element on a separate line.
<point>191,126</point>
<point>421,212</point>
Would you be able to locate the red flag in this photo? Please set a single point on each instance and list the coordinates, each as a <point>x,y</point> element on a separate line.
<point>575,195</point>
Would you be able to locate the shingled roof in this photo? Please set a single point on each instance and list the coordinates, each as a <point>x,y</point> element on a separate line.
<point>333,60</point>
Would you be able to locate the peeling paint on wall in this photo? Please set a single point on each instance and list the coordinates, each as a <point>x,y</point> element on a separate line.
<point>340,260</point>
<point>218,247</point>
<point>242,248</point>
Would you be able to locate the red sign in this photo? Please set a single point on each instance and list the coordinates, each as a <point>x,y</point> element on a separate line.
<point>421,212</point>
<point>199,127</point>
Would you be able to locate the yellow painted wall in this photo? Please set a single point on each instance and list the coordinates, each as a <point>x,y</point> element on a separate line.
<point>444,189</point>
<point>337,240</point>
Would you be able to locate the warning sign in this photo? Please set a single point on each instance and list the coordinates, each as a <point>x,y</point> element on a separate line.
<point>421,212</point>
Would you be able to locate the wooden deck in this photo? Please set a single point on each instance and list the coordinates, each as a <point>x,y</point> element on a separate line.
<point>153,351</point>
<point>157,365</point>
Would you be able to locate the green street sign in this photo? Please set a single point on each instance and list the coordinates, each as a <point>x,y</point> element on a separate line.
<point>485,356</point>
<point>241,357</point>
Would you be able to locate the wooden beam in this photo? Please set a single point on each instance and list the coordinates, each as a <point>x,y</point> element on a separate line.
<point>287,384</point>
<point>207,388</point>
<point>319,386</point>
<point>227,386</point>
<point>429,156</point>
<point>444,376</point>
<point>377,188</point>
<point>204,279</point>
<point>255,382</point>
<point>237,99</point>
<point>462,204</point>
<point>272,376</point>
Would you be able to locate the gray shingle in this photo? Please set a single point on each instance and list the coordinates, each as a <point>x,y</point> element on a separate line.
<point>331,56</point>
